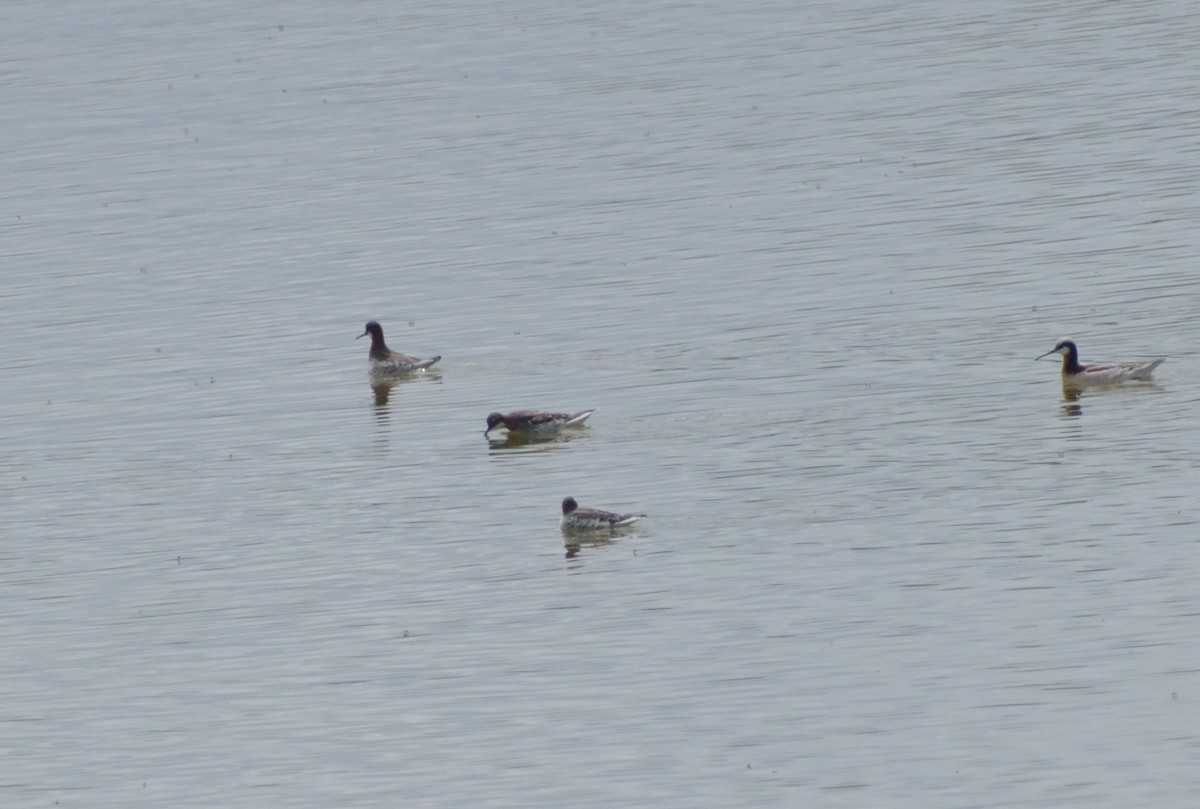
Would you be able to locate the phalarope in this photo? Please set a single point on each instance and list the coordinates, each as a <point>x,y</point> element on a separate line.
<point>1078,375</point>
<point>535,422</point>
<point>384,361</point>
<point>575,518</point>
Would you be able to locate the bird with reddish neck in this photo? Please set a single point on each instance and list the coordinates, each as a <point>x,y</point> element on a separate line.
<point>1077,375</point>
<point>535,423</point>
<point>575,518</point>
<point>382,361</point>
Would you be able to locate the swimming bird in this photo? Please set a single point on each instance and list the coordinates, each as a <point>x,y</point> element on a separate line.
<point>1075,374</point>
<point>535,422</point>
<point>575,518</point>
<point>384,361</point>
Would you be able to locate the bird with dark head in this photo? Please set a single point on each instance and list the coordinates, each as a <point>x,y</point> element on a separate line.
<point>1077,375</point>
<point>382,361</point>
<point>575,518</point>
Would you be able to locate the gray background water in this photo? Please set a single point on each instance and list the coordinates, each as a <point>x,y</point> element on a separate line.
<point>800,256</point>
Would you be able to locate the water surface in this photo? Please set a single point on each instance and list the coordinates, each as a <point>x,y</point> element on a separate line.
<point>801,261</point>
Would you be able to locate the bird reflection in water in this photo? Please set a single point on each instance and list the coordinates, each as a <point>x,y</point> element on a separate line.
<point>574,543</point>
<point>382,391</point>
<point>527,442</point>
<point>1071,407</point>
<point>1074,395</point>
<point>382,386</point>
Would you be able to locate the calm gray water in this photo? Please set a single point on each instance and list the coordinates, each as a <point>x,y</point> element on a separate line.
<point>799,256</point>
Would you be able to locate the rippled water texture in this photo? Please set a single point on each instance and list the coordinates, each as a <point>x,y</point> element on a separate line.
<point>800,257</point>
